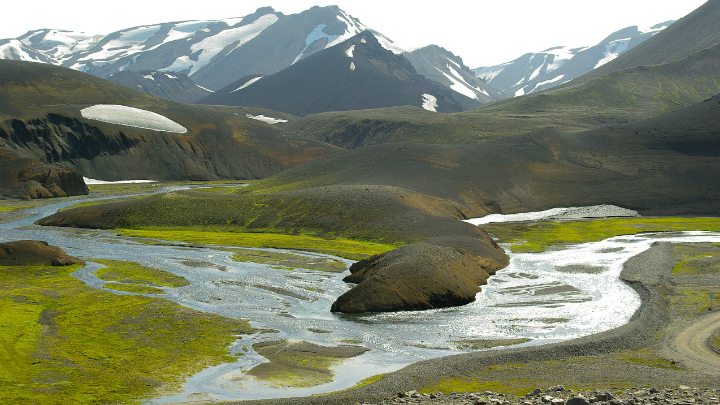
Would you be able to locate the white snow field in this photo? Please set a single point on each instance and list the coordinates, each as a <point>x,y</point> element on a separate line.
<point>269,120</point>
<point>132,117</point>
<point>593,211</point>
<point>95,181</point>
<point>430,102</point>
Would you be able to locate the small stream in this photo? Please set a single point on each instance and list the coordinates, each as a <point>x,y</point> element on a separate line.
<point>545,297</point>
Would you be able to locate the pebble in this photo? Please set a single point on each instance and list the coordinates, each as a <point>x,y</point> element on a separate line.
<point>681,395</point>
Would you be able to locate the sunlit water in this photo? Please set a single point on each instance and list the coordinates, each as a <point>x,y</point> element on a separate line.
<point>546,297</point>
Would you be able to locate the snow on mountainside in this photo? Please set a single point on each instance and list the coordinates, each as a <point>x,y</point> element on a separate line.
<point>538,71</point>
<point>212,53</point>
<point>169,86</point>
<point>361,73</point>
<point>444,67</point>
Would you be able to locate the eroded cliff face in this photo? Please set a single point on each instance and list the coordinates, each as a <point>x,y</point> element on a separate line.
<point>23,177</point>
<point>117,153</point>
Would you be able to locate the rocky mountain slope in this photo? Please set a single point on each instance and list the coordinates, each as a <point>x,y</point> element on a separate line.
<point>537,71</point>
<point>444,67</point>
<point>169,86</point>
<point>106,131</point>
<point>357,74</point>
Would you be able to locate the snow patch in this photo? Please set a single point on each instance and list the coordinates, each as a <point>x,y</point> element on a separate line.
<point>612,50</point>
<point>211,46</point>
<point>269,120</point>
<point>363,40</point>
<point>554,214</point>
<point>149,77</point>
<point>14,50</point>
<point>94,181</point>
<point>489,73</point>
<point>132,117</point>
<point>247,83</point>
<point>350,51</point>
<point>204,88</point>
<point>520,92</point>
<point>458,84</point>
<point>553,80</point>
<point>430,102</point>
<point>390,45</point>
<point>537,71</point>
<point>352,66</point>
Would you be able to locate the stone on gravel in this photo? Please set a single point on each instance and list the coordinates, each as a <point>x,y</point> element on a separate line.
<point>577,401</point>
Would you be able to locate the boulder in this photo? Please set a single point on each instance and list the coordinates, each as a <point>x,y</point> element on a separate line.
<point>33,253</point>
<point>419,276</point>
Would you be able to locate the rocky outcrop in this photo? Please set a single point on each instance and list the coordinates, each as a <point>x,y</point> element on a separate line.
<point>22,177</point>
<point>34,253</point>
<point>415,277</point>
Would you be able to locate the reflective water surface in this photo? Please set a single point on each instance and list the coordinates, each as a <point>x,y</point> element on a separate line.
<point>544,297</point>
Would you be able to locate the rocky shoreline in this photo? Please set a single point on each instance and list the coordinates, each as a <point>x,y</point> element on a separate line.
<point>558,395</point>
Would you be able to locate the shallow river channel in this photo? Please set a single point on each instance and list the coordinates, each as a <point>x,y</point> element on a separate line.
<point>544,297</point>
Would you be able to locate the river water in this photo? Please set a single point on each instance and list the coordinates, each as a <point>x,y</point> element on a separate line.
<point>544,297</point>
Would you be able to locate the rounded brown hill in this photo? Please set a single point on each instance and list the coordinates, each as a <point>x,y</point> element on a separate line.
<point>34,253</point>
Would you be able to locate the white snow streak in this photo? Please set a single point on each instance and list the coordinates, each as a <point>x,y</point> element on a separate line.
<point>430,102</point>
<point>132,117</point>
<point>247,83</point>
<point>350,51</point>
<point>613,50</point>
<point>269,120</point>
<point>14,50</point>
<point>94,181</point>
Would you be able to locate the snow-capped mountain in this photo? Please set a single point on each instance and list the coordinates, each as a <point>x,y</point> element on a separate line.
<point>213,53</point>
<point>538,71</point>
<point>169,86</point>
<point>360,73</point>
<point>444,67</point>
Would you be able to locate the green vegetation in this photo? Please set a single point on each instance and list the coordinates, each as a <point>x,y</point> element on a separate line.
<point>133,273</point>
<point>518,387</point>
<point>696,260</point>
<point>289,260</point>
<point>539,236</point>
<point>351,249</point>
<point>133,288</point>
<point>299,364</point>
<point>65,343</point>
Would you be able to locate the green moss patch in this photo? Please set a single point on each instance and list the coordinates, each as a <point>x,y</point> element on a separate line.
<point>697,259</point>
<point>351,249</point>
<point>540,236</point>
<point>134,273</point>
<point>64,342</point>
<point>289,260</point>
<point>134,288</point>
<point>299,364</point>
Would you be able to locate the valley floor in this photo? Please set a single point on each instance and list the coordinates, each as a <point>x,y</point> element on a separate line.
<point>670,342</point>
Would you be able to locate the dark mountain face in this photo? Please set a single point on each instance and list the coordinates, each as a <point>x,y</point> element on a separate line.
<point>442,66</point>
<point>169,86</point>
<point>358,74</point>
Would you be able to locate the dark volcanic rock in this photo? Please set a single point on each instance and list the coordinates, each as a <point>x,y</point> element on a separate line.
<point>27,178</point>
<point>32,252</point>
<point>414,277</point>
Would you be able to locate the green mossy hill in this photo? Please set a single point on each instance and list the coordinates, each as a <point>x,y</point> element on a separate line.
<point>63,342</point>
<point>34,253</point>
<point>386,215</point>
